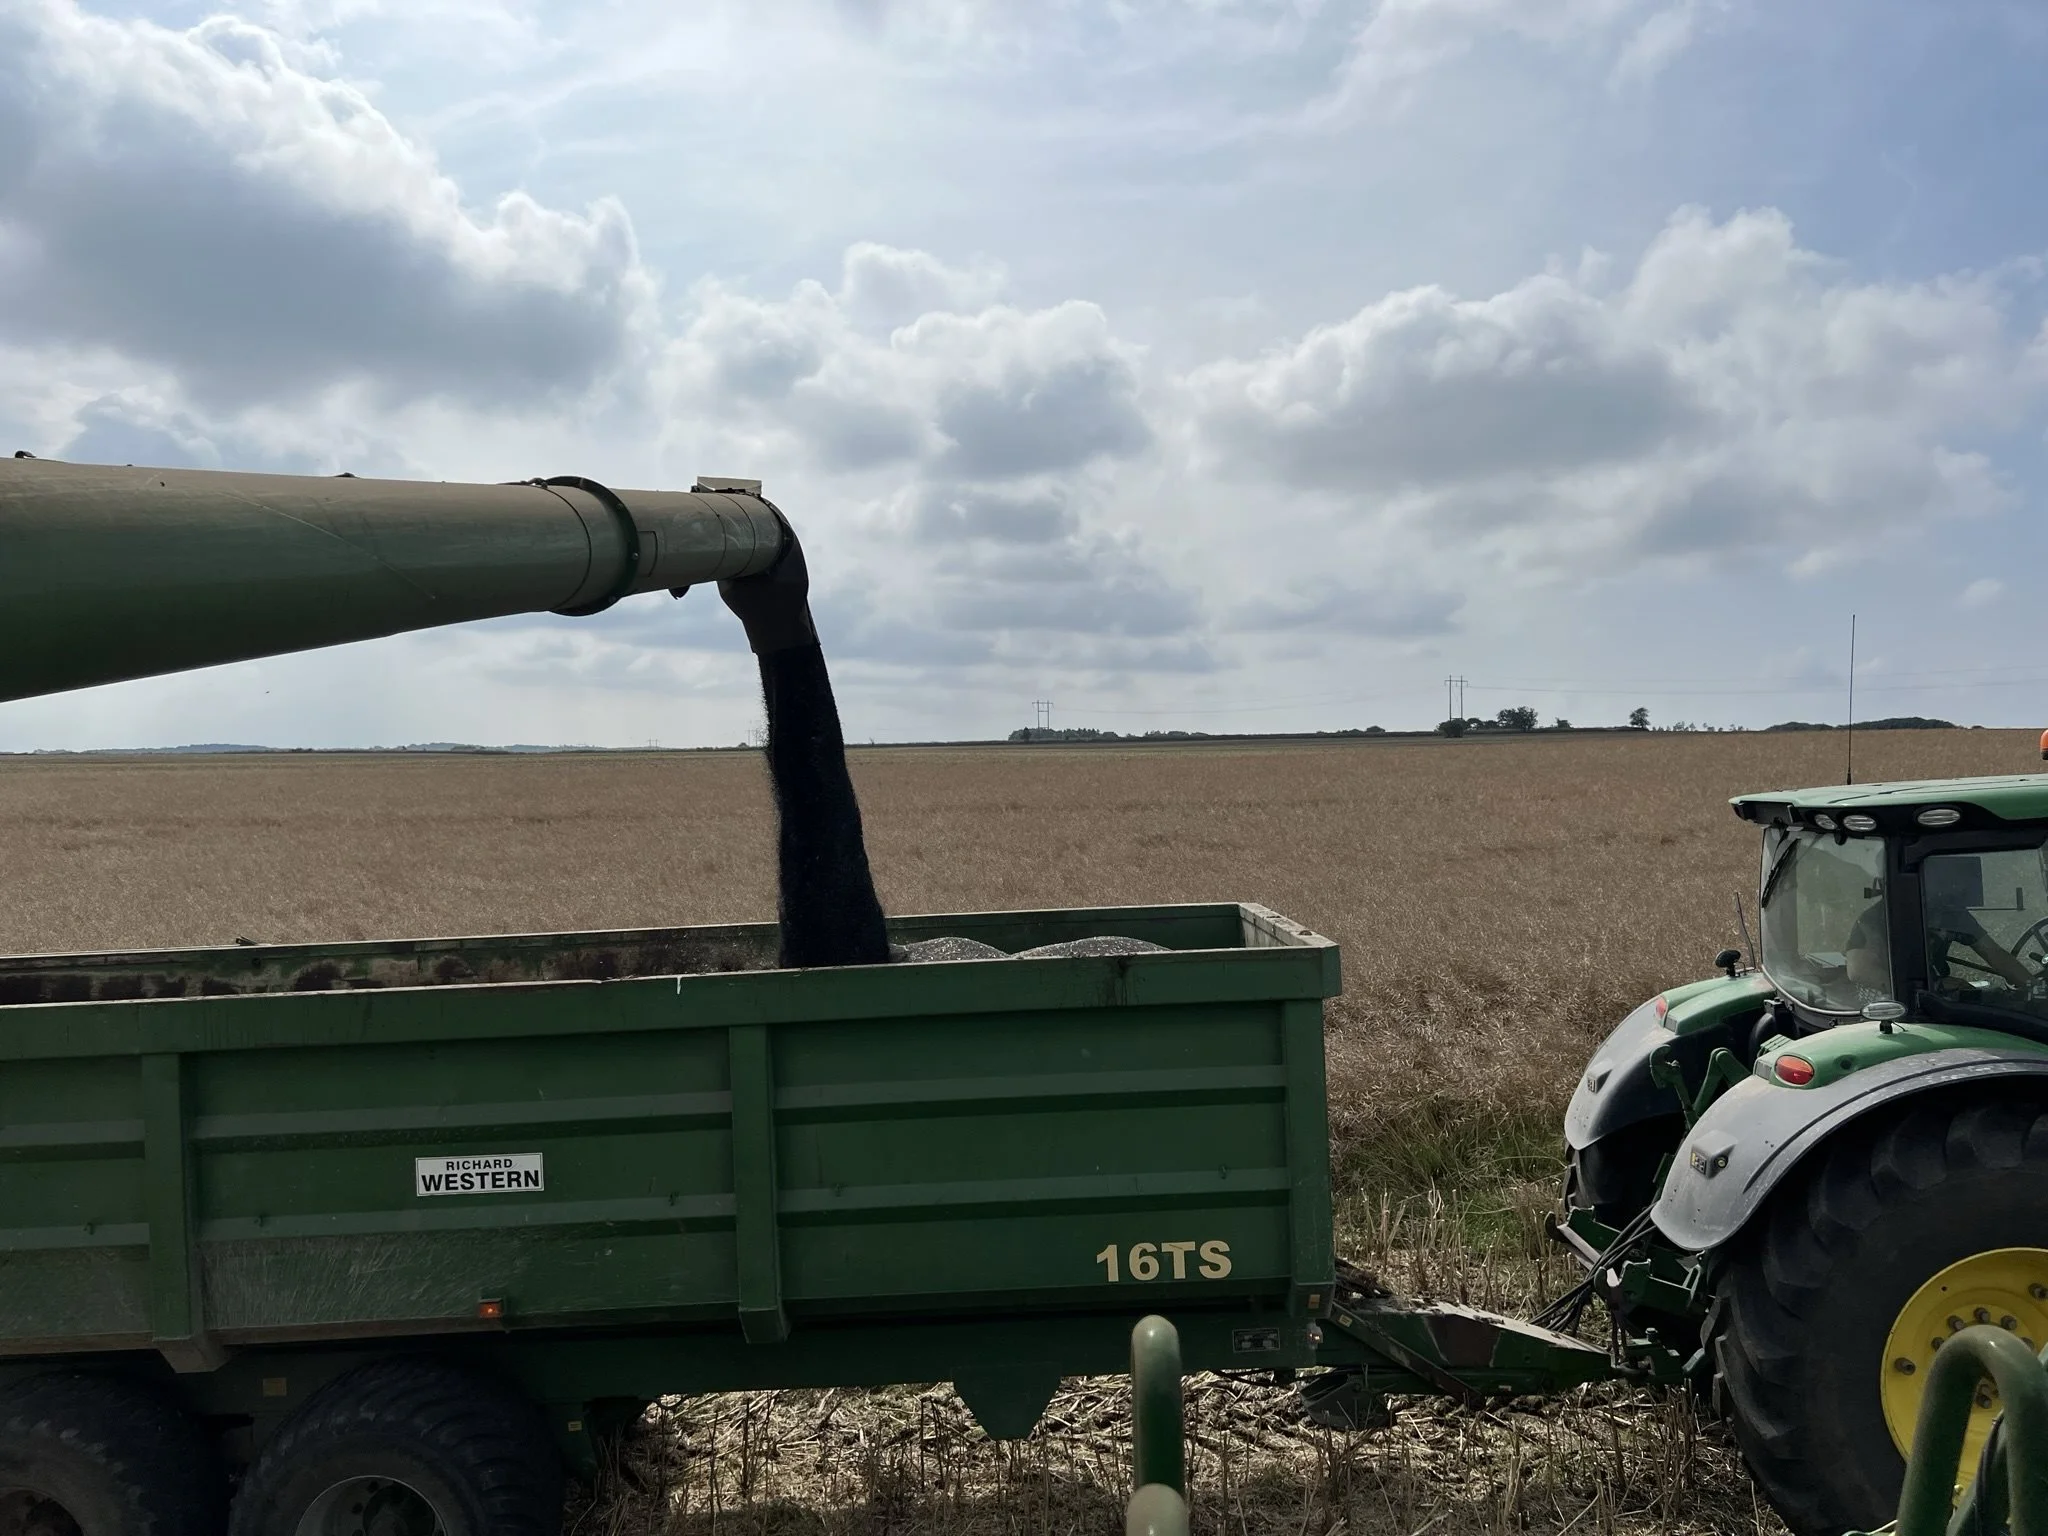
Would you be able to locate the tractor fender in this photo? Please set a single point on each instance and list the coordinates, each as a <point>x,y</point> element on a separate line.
<point>1757,1133</point>
<point>1616,1089</point>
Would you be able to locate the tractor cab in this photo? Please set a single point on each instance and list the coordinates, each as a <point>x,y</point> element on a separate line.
<point>1803,1181</point>
<point>1924,899</point>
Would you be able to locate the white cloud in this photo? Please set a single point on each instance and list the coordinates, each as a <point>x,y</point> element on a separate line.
<point>994,394</point>
<point>1424,388</point>
<point>1086,583</point>
<point>1404,41</point>
<point>937,271</point>
<point>883,286</point>
<point>1736,393</point>
<point>1982,593</point>
<point>1386,608</point>
<point>975,439</point>
<point>202,201</point>
<point>1661,37</point>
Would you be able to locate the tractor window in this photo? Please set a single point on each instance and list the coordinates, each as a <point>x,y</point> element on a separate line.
<point>1825,939</point>
<point>1986,921</point>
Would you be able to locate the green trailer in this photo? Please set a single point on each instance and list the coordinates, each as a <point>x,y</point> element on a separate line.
<point>601,1168</point>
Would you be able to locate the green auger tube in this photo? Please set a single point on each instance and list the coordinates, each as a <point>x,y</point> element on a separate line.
<point>1158,1507</point>
<point>2011,1489</point>
<point>120,572</point>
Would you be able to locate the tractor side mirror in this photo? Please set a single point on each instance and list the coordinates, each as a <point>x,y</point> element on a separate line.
<point>1727,960</point>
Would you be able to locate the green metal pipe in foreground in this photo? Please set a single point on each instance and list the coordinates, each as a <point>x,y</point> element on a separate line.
<point>1158,1445</point>
<point>1962,1362</point>
<point>109,573</point>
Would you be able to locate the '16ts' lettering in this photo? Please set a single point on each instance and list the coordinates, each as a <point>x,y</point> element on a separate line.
<point>1167,1261</point>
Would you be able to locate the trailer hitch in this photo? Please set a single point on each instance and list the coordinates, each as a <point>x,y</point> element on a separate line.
<point>1631,1274</point>
<point>1440,1349</point>
<point>1626,1266</point>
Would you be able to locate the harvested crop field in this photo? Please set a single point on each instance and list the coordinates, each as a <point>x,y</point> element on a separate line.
<point>1501,902</point>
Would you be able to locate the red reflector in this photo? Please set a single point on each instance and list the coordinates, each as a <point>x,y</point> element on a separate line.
<point>1796,1070</point>
<point>491,1310</point>
<point>1662,1006</point>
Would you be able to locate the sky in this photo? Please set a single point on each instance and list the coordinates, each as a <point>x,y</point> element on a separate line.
<point>1227,365</point>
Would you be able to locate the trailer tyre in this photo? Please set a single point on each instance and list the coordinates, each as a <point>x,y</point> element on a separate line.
<point>406,1447</point>
<point>84,1455</point>
<point>1814,1299</point>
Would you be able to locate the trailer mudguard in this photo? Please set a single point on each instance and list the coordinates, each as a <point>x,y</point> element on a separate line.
<point>1753,1137</point>
<point>1617,1090</point>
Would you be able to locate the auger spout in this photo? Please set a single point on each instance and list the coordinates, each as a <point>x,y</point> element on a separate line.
<point>109,573</point>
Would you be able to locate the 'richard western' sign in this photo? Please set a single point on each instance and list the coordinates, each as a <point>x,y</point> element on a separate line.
<point>495,1174</point>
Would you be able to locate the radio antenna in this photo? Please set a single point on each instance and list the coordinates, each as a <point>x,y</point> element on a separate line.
<point>1850,776</point>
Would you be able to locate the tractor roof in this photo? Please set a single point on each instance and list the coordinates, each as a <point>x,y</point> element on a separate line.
<point>2017,797</point>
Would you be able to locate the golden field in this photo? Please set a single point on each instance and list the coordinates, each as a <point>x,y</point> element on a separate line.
<point>1500,903</point>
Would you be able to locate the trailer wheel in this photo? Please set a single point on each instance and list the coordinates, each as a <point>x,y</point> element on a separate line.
<point>1827,1302</point>
<point>84,1455</point>
<point>406,1447</point>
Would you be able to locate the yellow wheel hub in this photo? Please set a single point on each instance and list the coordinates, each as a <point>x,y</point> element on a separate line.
<point>2005,1287</point>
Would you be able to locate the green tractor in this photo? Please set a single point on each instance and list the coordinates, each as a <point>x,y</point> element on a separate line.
<point>1796,1182</point>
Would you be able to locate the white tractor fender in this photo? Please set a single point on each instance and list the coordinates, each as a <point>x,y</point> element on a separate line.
<point>1754,1135</point>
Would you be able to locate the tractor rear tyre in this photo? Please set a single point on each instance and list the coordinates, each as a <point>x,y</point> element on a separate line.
<point>1616,1177</point>
<point>89,1455</point>
<point>406,1447</point>
<point>1892,1237</point>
